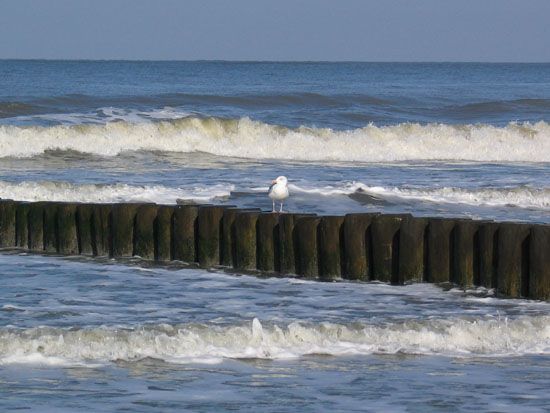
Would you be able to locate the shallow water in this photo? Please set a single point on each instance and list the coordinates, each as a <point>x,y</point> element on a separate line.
<point>79,335</point>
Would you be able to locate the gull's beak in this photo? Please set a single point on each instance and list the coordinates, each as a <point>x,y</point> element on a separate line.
<point>273,182</point>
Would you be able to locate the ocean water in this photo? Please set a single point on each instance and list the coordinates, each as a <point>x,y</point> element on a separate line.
<point>469,140</point>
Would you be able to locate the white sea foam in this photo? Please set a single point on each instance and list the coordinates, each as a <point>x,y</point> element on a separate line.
<point>521,196</point>
<point>527,142</point>
<point>210,343</point>
<point>68,192</point>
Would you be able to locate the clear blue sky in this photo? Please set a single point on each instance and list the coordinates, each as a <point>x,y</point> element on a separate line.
<point>362,30</point>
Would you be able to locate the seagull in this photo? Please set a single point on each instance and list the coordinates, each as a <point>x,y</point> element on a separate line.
<point>278,191</point>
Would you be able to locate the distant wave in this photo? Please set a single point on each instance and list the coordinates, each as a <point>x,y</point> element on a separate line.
<point>519,196</point>
<point>262,100</point>
<point>209,343</point>
<point>498,107</point>
<point>68,192</point>
<point>10,109</point>
<point>245,138</point>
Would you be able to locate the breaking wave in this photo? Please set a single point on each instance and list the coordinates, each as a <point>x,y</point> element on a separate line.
<point>209,343</point>
<point>245,138</point>
<point>68,192</point>
<point>519,196</point>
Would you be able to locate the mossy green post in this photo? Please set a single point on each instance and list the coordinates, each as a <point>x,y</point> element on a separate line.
<point>268,256</point>
<point>245,240</point>
<point>36,226</point>
<point>101,229</point>
<point>163,233</point>
<point>122,229</point>
<point>440,246</point>
<point>227,237</point>
<point>357,246</point>
<point>330,234</point>
<point>209,231</point>
<point>84,226</point>
<point>50,227</point>
<point>7,223</point>
<point>144,231</point>
<point>67,234</point>
<point>412,249</point>
<point>488,243</point>
<point>307,253</point>
<point>288,244</point>
<point>22,225</point>
<point>385,247</point>
<point>539,277</point>
<point>465,252</point>
<point>513,259</point>
<point>184,233</point>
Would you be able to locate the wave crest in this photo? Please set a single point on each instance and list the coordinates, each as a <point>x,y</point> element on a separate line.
<point>246,138</point>
<point>205,342</point>
<point>69,192</point>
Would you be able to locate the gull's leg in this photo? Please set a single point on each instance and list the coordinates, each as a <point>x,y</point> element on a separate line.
<point>281,210</point>
<point>273,206</point>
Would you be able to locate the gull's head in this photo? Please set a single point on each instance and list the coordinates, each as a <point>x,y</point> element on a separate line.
<point>280,180</point>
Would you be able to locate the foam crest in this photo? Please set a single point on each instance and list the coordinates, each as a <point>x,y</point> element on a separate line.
<point>107,193</point>
<point>211,343</point>
<point>256,140</point>
<point>520,196</point>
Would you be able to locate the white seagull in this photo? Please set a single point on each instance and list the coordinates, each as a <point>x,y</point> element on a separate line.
<point>278,191</point>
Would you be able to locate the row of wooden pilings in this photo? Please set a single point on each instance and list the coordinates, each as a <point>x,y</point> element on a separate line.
<point>513,258</point>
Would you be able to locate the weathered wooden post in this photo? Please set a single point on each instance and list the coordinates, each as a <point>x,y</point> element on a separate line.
<point>306,240</point>
<point>488,254</point>
<point>513,259</point>
<point>385,247</point>
<point>358,246</point>
<point>466,253</point>
<point>440,247</point>
<point>539,277</point>
<point>22,225</point>
<point>184,233</point>
<point>412,249</point>
<point>67,234</point>
<point>101,229</point>
<point>267,254</point>
<point>144,231</point>
<point>330,245</point>
<point>245,240</point>
<point>122,229</point>
<point>84,227</point>
<point>209,229</point>
<point>163,233</point>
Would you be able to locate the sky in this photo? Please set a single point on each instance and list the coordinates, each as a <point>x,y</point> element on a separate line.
<point>289,30</point>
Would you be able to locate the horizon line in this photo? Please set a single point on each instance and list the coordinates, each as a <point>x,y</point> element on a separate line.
<point>269,61</point>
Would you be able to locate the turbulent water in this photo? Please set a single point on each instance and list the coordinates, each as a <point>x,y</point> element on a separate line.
<point>430,139</point>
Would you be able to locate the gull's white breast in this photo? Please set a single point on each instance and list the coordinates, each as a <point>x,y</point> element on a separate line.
<point>278,191</point>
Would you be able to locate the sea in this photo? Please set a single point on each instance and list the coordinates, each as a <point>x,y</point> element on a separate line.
<point>430,139</point>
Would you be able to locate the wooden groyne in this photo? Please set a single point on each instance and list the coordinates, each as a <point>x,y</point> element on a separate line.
<point>513,258</point>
